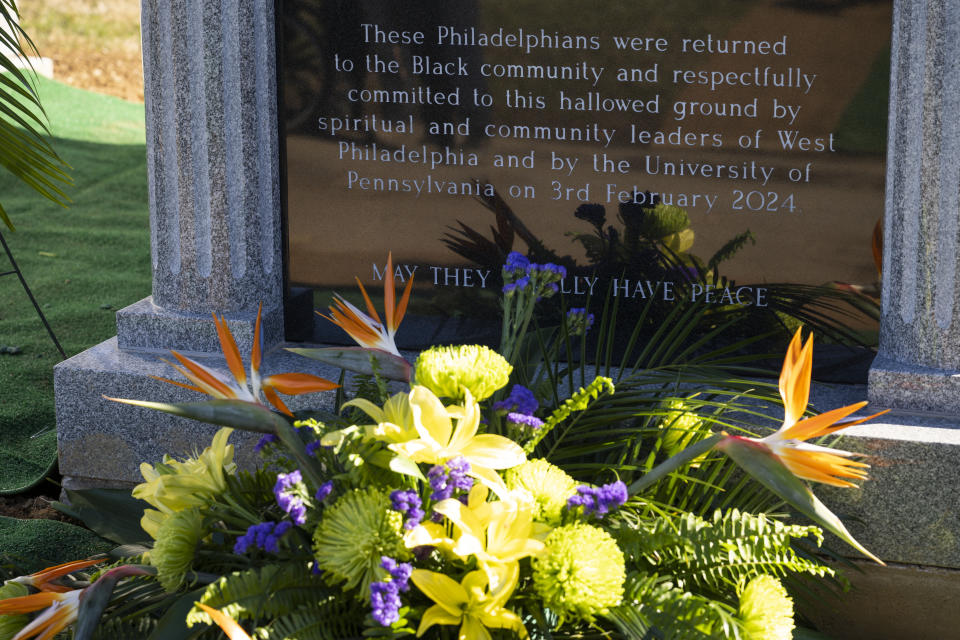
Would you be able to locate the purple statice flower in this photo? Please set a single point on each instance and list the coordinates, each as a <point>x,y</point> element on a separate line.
<point>385,602</point>
<point>579,321</point>
<point>265,535</point>
<point>599,500</point>
<point>519,285</point>
<point>516,261</point>
<point>518,419</point>
<point>385,595</point>
<point>312,447</point>
<point>264,441</point>
<point>324,491</point>
<point>520,400</point>
<point>289,492</point>
<point>554,270</point>
<point>409,504</point>
<point>399,571</point>
<point>448,478</point>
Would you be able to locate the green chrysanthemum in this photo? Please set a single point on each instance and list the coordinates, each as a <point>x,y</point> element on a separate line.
<point>581,574</point>
<point>766,610</point>
<point>175,546</point>
<point>354,534</point>
<point>548,485</point>
<point>10,625</point>
<point>448,370</point>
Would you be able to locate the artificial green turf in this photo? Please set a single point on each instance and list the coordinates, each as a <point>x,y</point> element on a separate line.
<point>32,545</point>
<point>82,263</point>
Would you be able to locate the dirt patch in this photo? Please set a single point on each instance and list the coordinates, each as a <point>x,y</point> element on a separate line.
<point>94,44</point>
<point>31,507</point>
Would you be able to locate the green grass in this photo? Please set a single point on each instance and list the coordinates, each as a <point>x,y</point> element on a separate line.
<point>82,263</point>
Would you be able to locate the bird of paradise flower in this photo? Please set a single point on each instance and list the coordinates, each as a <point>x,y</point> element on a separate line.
<point>367,329</point>
<point>212,383</point>
<point>782,460</point>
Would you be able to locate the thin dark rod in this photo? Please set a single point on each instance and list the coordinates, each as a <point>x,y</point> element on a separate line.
<point>43,318</point>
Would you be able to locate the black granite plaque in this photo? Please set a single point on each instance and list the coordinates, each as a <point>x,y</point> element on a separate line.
<point>451,131</point>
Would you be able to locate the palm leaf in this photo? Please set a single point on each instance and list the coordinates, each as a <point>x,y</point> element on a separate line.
<point>24,150</point>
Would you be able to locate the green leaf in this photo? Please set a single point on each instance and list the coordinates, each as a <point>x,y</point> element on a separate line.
<point>357,359</point>
<point>96,597</point>
<point>227,413</point>
<point>675,463</point>
<point>111,513</point>
<point>757,460</point>
<point>173,624</point>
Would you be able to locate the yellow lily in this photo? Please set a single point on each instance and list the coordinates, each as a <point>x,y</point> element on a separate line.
<point>394,420</point>
<point>809,461</point>
<point>174,485</point>
<point>368,330</point>
<point>212,383</point>
<point>440,441</point>
<point>498,533</point>
<point>469,603</point>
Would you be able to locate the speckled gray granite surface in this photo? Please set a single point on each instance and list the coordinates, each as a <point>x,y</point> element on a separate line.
<point>103,442</point>
<point>918,366</point>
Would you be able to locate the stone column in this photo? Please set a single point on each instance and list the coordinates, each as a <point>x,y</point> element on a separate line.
<point>918,365</point>
<point>212,161</point>
<point>216,238</point>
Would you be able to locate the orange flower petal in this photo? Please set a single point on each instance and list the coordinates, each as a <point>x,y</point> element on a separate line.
<point>402,307</point>
<point>371,310</point>
<point>41,578</point>
<point>820,425</point>
<point>230,350</point>
<point>275,400</point>
<point>296,383</point>
<point>347,320</point>
<point>200,374</point>
<point>29,604</point>
<point>795,378</point>
<point>823,467</point>
<point>230,627</point>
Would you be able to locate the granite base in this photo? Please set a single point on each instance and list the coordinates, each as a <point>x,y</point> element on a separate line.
<point>102,443</point>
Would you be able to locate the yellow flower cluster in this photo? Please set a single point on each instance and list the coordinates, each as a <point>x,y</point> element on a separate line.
<point>175,485</point>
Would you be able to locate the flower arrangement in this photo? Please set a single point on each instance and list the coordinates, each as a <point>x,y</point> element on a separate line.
<point>447,499</point>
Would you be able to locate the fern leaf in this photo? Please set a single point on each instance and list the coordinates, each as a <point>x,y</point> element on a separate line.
<point>265,592</point>
<point>329,620</point>
<point>654,608</point>
<point>715,556</point>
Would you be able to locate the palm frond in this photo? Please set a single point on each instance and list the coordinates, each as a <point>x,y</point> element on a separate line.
<point>24,150</point>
